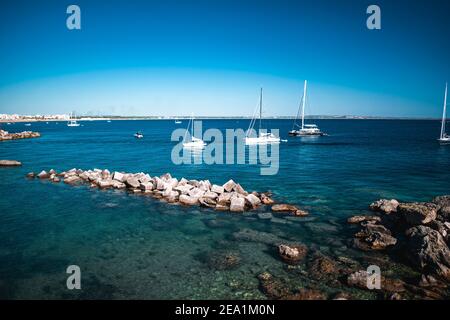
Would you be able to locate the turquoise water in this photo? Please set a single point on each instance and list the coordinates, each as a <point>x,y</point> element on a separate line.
<point>129,246</point>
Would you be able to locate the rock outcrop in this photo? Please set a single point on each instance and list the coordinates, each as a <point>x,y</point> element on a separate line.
<point>10,163</point>
<point>5,135</point>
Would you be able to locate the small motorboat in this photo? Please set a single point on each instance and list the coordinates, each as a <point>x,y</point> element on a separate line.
<point>177,121</point>
<point>138,135</point>
<point>27,124</point>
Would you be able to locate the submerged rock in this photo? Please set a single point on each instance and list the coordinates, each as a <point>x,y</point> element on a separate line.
<point>224,260</point>
<point>292,253</point>
<point>359,279</point>
<point>289,208</point>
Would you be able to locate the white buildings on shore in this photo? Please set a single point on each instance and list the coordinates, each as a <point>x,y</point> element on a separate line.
<point>17,117</point>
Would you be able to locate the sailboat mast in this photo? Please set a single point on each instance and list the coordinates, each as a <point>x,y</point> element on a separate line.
<point>444,113</point>
<point>303,105</point>
<point>260,109</point>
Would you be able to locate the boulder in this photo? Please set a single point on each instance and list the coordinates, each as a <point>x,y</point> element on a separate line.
<point>210,195</point>
<point>188,200</point>
<point>217,189</point>
<point>284,208</point>
<point>196,193</point>
<point>105,183</point>
<point>207,202</point>
<point>359,280</point>
<point>238,188</point>
<point>31,175</point>
<point>266,199</point>
<point>374,237</point>
<point>183,188</point>
<point>43,175</point>
<point>237,204</point>
<point>442,201</point>
<point>385,206</point>
<point>416,213</point>
<point>292,253</point>
<point>253,200</point>
<point>132,182</point>
<point>359,219</point>
<point>229,186</point>
<point>428,251</point>
<point>118,176</point>
<point>146,186</point>
<point>72,180</point>
<point>224,199</point>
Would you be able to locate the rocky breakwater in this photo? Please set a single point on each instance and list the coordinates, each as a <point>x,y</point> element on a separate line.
<point>230,196</point>
<point>5,135</point>
<point>416,231</point>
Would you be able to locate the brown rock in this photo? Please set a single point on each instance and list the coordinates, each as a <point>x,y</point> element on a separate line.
<point>385,206</point>
<point>292,253</point>
<point>418,212</point>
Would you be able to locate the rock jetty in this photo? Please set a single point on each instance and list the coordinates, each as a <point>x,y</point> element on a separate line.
<point>230,196</point>
<point>5,135</point>
<point>9,163</point>
<point>419,230</point>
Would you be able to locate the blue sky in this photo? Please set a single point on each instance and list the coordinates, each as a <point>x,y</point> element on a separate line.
<point>210,57</point>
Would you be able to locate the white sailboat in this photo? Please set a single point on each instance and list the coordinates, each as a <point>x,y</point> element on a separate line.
<point>193,142</point>
<point>261,138</point>
<point>305,129</point>
<point>72,122</point>
<point>444,138</point>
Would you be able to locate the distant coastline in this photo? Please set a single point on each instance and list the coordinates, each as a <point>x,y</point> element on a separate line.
<point>316,117</point>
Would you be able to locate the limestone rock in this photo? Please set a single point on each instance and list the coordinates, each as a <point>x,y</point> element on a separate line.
<point>385,206</point>
<point>9,163</point>
<point>237,204</point>
<point>416,213</point>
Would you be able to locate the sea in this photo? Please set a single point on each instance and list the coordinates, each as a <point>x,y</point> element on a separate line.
<point>130,246</point>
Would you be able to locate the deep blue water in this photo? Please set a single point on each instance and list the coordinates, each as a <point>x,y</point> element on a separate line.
<point>130,246</point>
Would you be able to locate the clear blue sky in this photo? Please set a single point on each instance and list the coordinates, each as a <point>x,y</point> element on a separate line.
<point>210,57</point>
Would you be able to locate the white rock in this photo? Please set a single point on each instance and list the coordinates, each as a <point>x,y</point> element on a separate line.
<point>185,199</point>
<point>253,200</point>
<point>196,193</point>
<point>228,186</point>
<point>146,186</point>
<point>237,204</point>
<point>210,195</point>
<point>118,176</point>
<point>217,189</point>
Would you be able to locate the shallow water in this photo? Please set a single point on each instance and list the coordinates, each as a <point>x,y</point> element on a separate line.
<point>130,246</point>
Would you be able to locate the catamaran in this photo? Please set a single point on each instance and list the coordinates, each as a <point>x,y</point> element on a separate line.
<point>261,138</point>
<point>305,129</point>
<point>444,138</point>
<point>193,142</point>
<point>72,122</point>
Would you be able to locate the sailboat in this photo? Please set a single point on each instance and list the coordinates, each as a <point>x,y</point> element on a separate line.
<point>194,142</point>
<point>72,122</point>
<point>261,138</point>
<point>444,138</point>
<point>305,129</point>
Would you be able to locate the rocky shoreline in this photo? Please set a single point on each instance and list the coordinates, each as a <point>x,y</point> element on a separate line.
<point>408,241</point>
<point>230,196</point>
<point>5,135</point>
